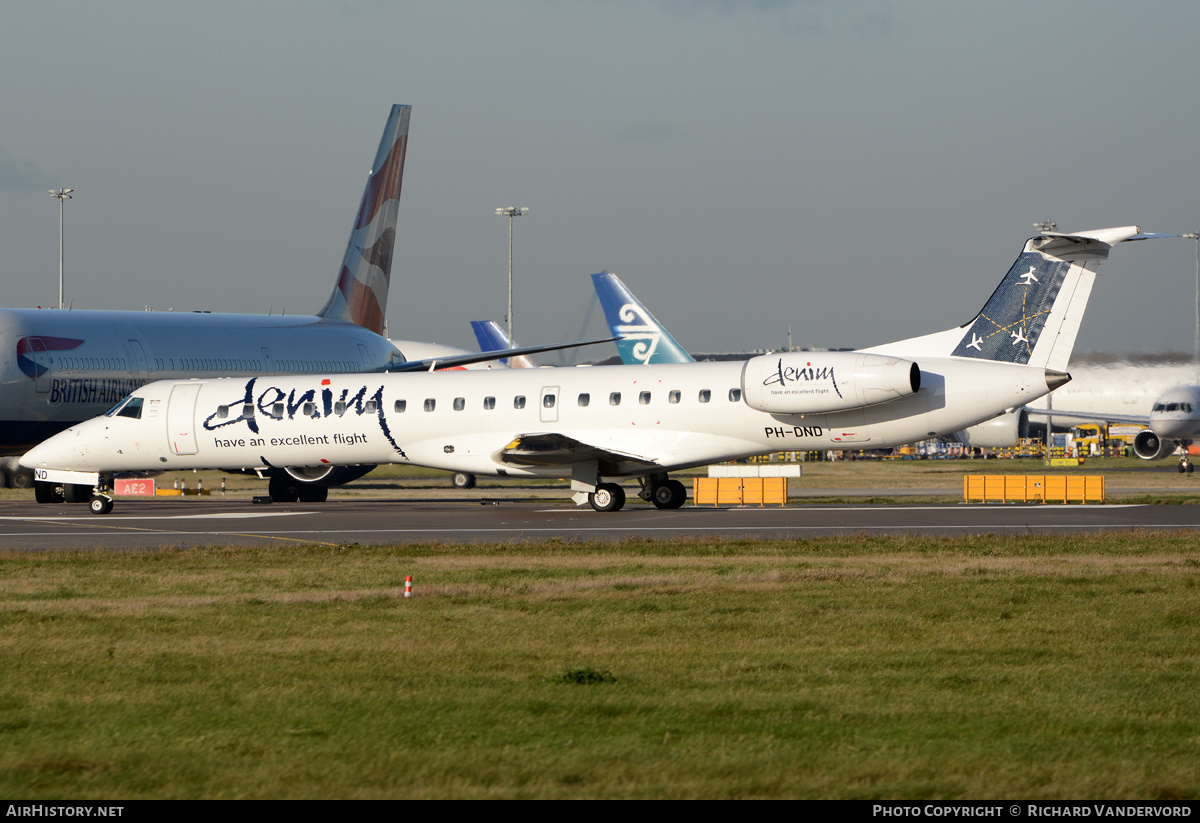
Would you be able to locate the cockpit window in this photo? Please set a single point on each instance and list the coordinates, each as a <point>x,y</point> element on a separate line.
<point>132,409</point>
<point>119,406</point>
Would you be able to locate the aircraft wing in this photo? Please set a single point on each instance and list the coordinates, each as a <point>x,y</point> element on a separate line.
<point>1130,419</point>
<point>435,363</point>
<point>553,449</point>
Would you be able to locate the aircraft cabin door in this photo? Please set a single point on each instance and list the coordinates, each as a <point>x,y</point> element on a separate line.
<point>549,409</point>
<point>141,369</point>
<point>181,418</point>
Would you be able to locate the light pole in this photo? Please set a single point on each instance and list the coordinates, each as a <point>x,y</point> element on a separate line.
<point>510,212</point>
<point>1196,236</point>
<point>60,195</point>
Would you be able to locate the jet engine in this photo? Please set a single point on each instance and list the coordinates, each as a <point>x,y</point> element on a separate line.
<point>812,382</point>
<point>998,433</point>
<point>1149,446</point>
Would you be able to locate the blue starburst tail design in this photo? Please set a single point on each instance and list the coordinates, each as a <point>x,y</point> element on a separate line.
<point>1015,316</point>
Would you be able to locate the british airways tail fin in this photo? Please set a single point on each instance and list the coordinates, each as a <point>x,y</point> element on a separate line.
<point>360,295</point>
<point>643,339</point>
<point>1034,314</point>
<point>492,338</point>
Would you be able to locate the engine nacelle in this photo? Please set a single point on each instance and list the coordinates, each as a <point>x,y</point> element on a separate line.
<point>1149,446</point>
<point>811,382</point>
<point>998,433</point>
<point>327,475</point>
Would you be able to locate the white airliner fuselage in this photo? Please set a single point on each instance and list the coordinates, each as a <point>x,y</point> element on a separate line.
<point>634,420</point>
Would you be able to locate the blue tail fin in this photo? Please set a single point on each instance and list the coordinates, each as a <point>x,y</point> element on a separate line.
<point>644,340</point>
<point>492,338</point>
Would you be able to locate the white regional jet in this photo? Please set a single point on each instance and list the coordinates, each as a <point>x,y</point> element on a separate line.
<point>58,368</point>
<point>605,423</point>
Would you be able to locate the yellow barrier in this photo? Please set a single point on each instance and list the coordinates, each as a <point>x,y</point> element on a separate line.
<point>739,491</point>
<point>1033,488</point>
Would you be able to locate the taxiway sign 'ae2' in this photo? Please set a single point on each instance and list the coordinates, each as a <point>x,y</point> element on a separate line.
<point>606,423</point>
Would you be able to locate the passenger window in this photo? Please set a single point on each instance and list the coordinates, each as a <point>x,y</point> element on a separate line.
<point>430,404</point>
<point>519,401</point>
<point>370,407</point>
<point>735,395</point>
<point>673,397</point>
<point>277,411</point>
<point>247,411</point>
<point>400,406</point>
<point>614,399</point>
<point>309,410</point>
<point>460,403</point>
<point>222,412</point>
<point>584,399</point>
<point>705,395</point>
<point>339,408</point>
<point>489,403</point>
<point>644,398</point>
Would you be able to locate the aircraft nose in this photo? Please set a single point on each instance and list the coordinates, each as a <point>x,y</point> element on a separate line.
<point>67,450</point>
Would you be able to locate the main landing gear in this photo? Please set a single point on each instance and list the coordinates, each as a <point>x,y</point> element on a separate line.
<point>659,489</point>
<point>663,492</point>
<point>608,497</point>
<point>284,488</point>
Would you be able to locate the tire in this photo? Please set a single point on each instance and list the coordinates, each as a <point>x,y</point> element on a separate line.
<point>3,478</point>
<point>77,493</point>
<point>21,479</point>
<point>100,505</point>
<point>669,495</point>
<point>463,480</point>
<point>608,497</point>
<point>283,489</point>
<point>46,493</point>
<point>309,493</point>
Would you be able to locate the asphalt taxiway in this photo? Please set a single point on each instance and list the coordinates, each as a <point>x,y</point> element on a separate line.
<point>204,522</point>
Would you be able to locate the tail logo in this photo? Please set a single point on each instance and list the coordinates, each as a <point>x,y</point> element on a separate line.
<point>638,326</point>
<point>33,353</point>
<point>1010,324</point>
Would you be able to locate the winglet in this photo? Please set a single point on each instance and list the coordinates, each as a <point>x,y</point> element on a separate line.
<point>360,295</point>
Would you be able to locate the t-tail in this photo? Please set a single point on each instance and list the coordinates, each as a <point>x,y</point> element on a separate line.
<point>360,295</point>
<point>643,339</point>
<point>1034,314</point>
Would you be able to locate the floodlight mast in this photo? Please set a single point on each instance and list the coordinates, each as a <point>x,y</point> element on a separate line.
<point>1196,352</point>
<point>60,195</point>
<point>510,212</point>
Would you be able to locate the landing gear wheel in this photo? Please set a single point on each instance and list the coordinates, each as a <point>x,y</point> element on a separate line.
<point>608,497</point>
<point>669,495</point>
<point>46,493</point>
<point>308,493</point>
<point>100,505</point>
<point>21,479</point>
<point>463,480</point>
<point>283,489</point>
<point>77,493</point>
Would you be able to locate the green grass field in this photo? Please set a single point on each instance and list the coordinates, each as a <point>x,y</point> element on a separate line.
<point>864,667</point>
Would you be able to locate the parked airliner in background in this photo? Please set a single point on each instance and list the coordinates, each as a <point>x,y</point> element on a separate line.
<point>60,367</point>
<point>605,423</point>
<point>1173,422</point>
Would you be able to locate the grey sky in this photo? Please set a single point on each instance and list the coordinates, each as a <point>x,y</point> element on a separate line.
<point>860,171</point>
